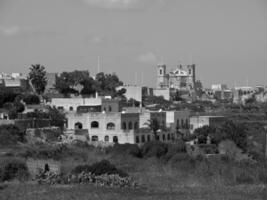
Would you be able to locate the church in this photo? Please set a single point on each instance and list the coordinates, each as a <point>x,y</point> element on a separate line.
<point>182,78</point>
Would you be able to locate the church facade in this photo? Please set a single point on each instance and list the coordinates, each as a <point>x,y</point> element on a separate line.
<point>181,78</point>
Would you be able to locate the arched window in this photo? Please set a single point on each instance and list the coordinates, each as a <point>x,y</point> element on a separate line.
<point>130,126</point>
<point>182,123</point>
<point>94,138</point>
<point>124,126</point>
<point>115,139</point>
<point>143,139</point>
<point>163,137</point>
<point>71,108</point>
<point>148,138</point>
<point>94,124</point>
<point>135,125</point>
<point>78,125</point>
<point>137,139</point>
<point>109,108</point>
<point>106,138</point>
<point>110,126</point>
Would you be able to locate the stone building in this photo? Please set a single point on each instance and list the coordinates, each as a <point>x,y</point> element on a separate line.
<point>107,127</point>
<point>200,121</point>
<point>182,78</point>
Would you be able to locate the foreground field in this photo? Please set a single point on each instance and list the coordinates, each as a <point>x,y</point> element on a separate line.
<point>40,192</point>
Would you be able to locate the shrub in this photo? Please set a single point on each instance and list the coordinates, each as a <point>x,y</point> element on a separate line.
<point>174,149</point>
<point>244,178</point>
<point>31,99</point>
<point>125,149</point>
<point>154,149</point>
<point>10,134</point>
<point>12,168</point>
<point>99,168</point>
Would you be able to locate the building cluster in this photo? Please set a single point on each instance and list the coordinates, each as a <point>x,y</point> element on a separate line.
<point>103,119</point>
<point>14,82</point>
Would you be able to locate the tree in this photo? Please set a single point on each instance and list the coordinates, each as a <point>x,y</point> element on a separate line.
<point>37,77</point>
<point>154,126</point>
<point>202,133</point>
<point>235,132</point>
<point>56,117</point>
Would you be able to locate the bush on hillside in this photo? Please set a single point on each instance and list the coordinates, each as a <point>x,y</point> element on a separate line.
<point>154,149</point>
<point>12,168</point>
<point>125,149</point>
<point>10,134</point>
<point>99,168</point>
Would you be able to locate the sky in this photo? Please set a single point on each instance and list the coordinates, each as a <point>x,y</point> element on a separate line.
<point>226,39</point>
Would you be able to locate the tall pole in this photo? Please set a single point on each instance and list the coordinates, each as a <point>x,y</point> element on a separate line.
<point>98,64</point>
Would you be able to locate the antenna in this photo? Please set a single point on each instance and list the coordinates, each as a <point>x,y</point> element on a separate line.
<point>142,78</point>
<point>98,64</point>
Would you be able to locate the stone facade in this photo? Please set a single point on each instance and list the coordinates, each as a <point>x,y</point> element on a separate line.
<point>106,127</point>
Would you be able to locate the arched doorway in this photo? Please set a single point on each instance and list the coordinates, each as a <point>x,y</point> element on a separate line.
<point>115,139</point>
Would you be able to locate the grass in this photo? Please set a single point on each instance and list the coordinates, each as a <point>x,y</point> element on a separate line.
<point>82,192</point>
<point>177,178</point>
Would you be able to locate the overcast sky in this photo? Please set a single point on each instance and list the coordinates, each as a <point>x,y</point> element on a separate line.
<point>226,39</point>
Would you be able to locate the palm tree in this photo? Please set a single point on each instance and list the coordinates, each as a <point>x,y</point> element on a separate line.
<point>37,77</point>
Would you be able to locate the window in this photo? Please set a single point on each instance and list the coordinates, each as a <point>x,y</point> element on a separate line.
<point>160,71</point>
<point>190,71</point>
<point>148,138</point>
<point>109,108</point>
<point>178,123</point>
<point>110,126</point>
<point>78,125</point>
<point>115,139</point>
<point>186,124</point>
<point>143,139</point>
<point>182,123</point>
<point>106,138</point>
<point>94,138</point>
<point>71,108</point>
<point>60,108</point>
<point>124,126</point>
<point>137,139</point>
<point>94,124</point>
<point>135,125</point>
<point>130,126</point>
<point>163,137</point>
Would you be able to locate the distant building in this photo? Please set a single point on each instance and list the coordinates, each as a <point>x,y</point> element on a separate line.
<point>200,121</point>
<point>242,94</point>
<point>164,92</point>
<point>219,87</point>
<point>16,82</point>
<point>51,81</point>
<point>182,78</point>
